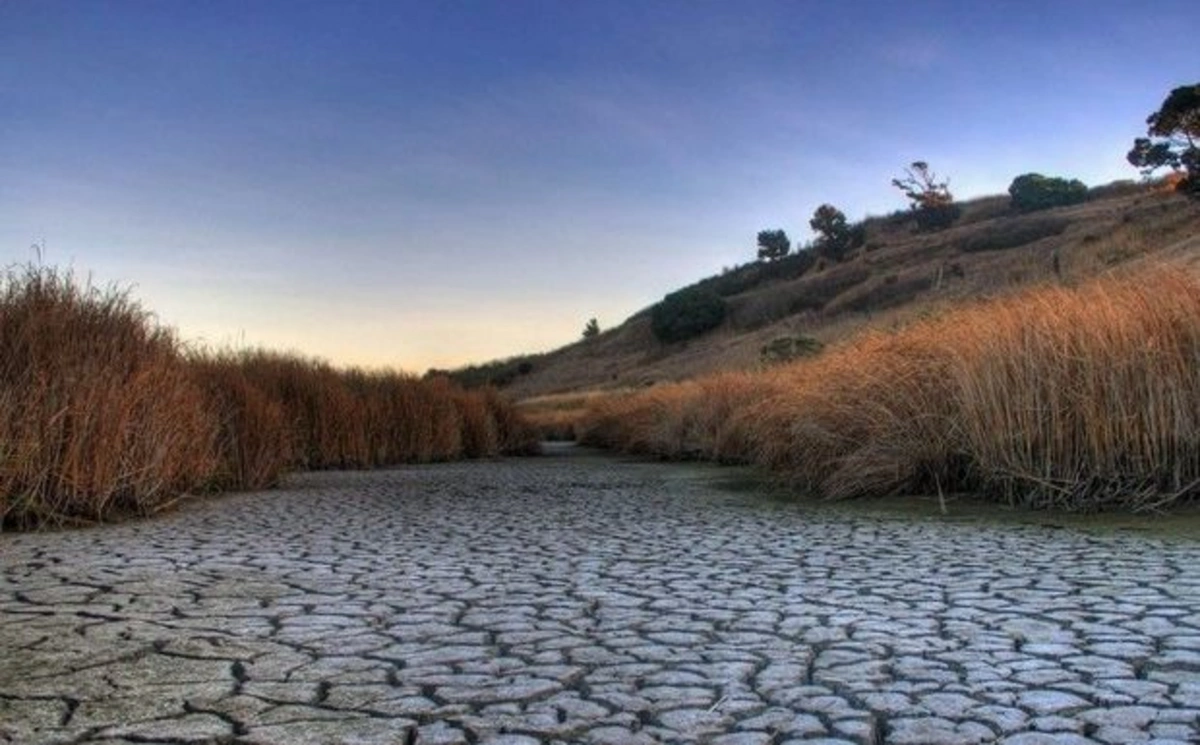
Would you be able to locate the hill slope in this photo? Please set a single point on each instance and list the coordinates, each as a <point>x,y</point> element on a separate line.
<point>899,274</point>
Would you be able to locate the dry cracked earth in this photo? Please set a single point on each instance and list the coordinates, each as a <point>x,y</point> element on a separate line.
<point>578,598</point>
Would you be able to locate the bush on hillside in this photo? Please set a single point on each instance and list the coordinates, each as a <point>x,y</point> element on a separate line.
<point>750,276</point>
<point>686,314</point>
<point>788,348</point>
<point>497,373</point>
<point>1033,191</point>
<point>937,217</point>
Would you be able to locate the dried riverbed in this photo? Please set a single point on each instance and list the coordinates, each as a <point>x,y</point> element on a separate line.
<point>582,598</point>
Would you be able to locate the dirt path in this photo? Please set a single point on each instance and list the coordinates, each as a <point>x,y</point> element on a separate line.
<point>577,598</point>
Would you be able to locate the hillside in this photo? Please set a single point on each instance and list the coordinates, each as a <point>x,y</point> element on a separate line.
<point>897,275</point>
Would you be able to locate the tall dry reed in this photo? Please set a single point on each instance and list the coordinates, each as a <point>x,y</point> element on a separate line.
<point>325,417</point>
<point>1076,398</point>
<point>254,447</point>
<point>1086,398</point>
<point>102,411</point>
<point>98,411</point>
<point>702,419</point>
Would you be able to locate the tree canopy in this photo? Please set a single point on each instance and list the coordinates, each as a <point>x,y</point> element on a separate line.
<point>1174,137</point>
<point>686,313</point>
<point>930,199</point>
<point>922,188</point>
<point>773,245</point>
<point>1033,191</point>
<point>591,329</point>
<point>835,236</point>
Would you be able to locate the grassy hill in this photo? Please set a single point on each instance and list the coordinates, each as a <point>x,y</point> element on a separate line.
<point>1040,360</point>
<point>898,275</point>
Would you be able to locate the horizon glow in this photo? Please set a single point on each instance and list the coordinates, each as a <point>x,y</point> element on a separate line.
<point>416,185</point>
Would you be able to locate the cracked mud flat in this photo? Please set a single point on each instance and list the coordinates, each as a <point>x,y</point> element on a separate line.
<point>584,599</point>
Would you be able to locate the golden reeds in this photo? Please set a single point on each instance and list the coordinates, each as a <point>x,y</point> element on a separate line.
<point>98,411</point>
<point>102,411</point>
<point>1078,398</point>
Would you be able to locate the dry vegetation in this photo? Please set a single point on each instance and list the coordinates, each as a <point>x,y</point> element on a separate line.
<point>899,275</point>
<point>1073,397</point>
<point>104,412</point>
<point>554,417</point>
<point>1080,397</point>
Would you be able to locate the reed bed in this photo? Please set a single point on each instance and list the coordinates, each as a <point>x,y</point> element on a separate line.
<point>554,415</point>
<point>254,446</point>
<point>104,412</point>
<point>1075,398</point>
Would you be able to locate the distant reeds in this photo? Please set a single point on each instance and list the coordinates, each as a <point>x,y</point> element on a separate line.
<point>103,411</point>
<point>1075,398</point>
<point>554,415</point>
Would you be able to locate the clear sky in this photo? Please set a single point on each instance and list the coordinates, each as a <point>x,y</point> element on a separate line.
<point>431,183</point>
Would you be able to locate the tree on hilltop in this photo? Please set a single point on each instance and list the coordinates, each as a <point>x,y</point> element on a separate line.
<point>592,329</point>
<point>835,236</point>
<point>929,199</point>
<point>1174,139</point>
<point>773,245</point>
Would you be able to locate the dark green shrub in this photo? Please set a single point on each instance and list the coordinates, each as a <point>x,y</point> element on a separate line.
<point>686,314</point>
<point>498,373</point>
<point>788,348</point>
<point>789,267</point>
<point>1033,191</point>
<point>749,276</point>
<point>936,216</point>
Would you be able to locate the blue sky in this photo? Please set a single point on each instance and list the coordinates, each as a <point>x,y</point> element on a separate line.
<point>416,184</point>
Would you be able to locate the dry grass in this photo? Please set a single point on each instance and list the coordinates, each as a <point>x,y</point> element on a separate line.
<point>899,274</point>
<point>703,418</point>
<point>98,410</point>
<point>103,412</point>
<point>555,416</point>
<point>253,445</point>
<point>1075,398</point>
